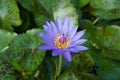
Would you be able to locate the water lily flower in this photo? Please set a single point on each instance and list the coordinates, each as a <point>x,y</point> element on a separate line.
<point>62,38</point>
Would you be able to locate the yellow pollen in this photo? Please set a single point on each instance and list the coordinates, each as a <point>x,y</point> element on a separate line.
<point>61,45</point>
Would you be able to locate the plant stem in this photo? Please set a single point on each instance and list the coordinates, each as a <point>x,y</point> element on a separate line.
<point>58,67</point>
<point>96,20</point>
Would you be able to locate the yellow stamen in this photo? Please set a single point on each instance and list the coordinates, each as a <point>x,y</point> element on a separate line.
<point>61,45</point>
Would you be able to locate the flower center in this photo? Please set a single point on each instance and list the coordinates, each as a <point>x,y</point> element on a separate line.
<point>62,42</point>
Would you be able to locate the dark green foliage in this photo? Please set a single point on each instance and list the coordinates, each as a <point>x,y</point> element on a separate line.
<point>25,17</point>
<point>22,20</point>
<point>84,65</point>
<point>7,71</point>
<point>47,68</point>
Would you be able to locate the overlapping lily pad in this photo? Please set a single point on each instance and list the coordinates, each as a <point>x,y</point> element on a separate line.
<point>106,9</point>
<point>5,39</point>
<point>9,14</point>
<point>105,50</point>
<point>23,53</point>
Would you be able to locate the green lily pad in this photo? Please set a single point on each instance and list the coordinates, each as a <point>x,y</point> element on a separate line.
<point>5,39</point>
<point>83,64</point>
<point>29,5</point>
<point>9,13</point>
<point>23,53</point>
<point>108,68</point>
<point>67,75</point>
<point>82,3</point>
<point>106,9</point>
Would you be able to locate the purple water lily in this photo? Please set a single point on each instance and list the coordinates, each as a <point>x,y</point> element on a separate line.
<point>62,38</point>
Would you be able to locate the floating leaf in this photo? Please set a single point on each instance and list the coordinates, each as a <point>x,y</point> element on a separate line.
<point>105,50</point>
<point>40,11</point>
<point>67,75</point>
<point>108,37</point>
<point>83,62</point>
<point>40,20</point>
<point>49,8</point>
<point>82,3</point>
<point>106,9</point>
<point>5,39</point>
<point>23,53</point>
<point>29,5</point>
<point>9,13</point>
<point>108,69</point>
<point>82,65</point>
<point>45,13</point>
